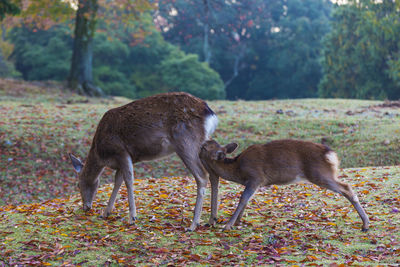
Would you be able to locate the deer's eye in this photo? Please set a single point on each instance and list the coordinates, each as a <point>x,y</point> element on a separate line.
<point>220,155</point>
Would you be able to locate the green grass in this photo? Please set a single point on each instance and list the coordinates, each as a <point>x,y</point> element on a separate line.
<point>295,224</point>
<point>291,225</point>
<point>41,124</point>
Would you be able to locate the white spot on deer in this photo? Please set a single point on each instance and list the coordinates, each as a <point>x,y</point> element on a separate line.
<point>210,124</point>
<point>332,158</point>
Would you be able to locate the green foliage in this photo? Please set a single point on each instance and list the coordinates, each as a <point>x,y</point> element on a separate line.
<point>182,72</point>
<point>261,48</point>
<point>157,66</point>
<point>8,7</point>
<point>119,69</point>
<point>42,55</point>
<point>361,53</point>
<point>289,67</point>
<point>109,59</point>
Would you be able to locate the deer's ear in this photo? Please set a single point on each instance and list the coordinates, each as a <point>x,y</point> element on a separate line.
<point>76,163</point>
<point>231,147</point>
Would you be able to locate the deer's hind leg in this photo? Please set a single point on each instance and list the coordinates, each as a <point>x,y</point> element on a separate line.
<point>329,181</point>
<point>191,159</point>
<point>346,191</point>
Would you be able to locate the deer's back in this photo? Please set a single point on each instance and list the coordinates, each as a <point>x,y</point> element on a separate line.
<point>281,161</point>
<point>145,128</point>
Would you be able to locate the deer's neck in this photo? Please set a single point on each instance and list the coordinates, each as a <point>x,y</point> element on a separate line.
<point>92,168</point>
<point>227,169</point>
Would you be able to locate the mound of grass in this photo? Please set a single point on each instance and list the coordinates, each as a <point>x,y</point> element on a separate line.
<point>40,123</point>
<point>287,225</point>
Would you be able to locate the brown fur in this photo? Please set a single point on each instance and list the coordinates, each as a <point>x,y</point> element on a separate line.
<point>278,162</point>
<point>146,129</point>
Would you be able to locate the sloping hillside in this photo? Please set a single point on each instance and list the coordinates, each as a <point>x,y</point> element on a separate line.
<point>40,123</point>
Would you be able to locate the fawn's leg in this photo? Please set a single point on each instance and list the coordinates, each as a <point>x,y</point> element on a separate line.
<point>247,194</point>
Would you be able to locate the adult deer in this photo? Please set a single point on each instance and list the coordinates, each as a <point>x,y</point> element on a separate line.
<point>277,162</point>
<point>142,130</point>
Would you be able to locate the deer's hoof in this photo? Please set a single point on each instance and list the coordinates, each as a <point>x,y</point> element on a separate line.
<point>210,224</point>
<point>364,230</point>
<point>192,227</point>
<point>227,228</point>
<point>132,221</point>
<point>105,215</point>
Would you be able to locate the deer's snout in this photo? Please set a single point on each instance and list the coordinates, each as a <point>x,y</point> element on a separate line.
<point>87,207</point>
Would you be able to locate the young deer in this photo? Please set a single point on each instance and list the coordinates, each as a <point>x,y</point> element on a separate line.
<point>142,130</point>
<point>277,162</point>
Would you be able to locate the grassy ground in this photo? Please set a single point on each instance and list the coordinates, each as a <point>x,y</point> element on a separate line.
<point>287,225</point>
<point>40,124</point>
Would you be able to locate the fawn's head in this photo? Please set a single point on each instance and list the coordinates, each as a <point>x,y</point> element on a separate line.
<point>214,151</point>
<point>87,188</point>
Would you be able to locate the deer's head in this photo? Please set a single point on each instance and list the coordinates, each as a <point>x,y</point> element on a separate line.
<point>214,151</point>
<point>87,186</point>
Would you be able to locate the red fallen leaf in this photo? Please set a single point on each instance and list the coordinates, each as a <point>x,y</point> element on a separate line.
<point>337,265</point>
<point>160,250</point>
<point>309,258</point>
<point>195,257</point>
<point>176,201</point>
<point>8,252</point>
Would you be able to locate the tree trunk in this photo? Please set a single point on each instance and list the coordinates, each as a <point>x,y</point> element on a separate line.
<point>236,65</point>
<point>81,76</point>
<point>206,27</point>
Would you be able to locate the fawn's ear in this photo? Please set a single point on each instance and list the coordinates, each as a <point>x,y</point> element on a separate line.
<point>231,147</point>
<point>76,163</point>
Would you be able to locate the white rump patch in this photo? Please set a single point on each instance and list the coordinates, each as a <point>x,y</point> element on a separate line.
<point>210,124</point>
<point>332,158</point>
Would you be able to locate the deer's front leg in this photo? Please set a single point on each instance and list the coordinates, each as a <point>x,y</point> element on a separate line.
<point>117,184</point>
<point>247,194</point>
<point>193,163</point>
<point>214,180</point>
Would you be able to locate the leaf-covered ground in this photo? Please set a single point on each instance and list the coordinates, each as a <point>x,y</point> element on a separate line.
<point>40,123</point>
<point>291,225</point>
<point>287,225</point>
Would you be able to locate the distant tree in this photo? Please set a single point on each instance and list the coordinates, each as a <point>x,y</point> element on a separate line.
<point>158,66</point>
<point>362,53</point>
<point>40,54</point>
<point>182,72</point>
<point>119,68</point>
<point>252,44</point>
<point>8,7</point>
<point>46,13</point>
<point>288,61</point>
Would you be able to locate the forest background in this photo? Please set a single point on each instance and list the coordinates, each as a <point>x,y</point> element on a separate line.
<point>248,49</point>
